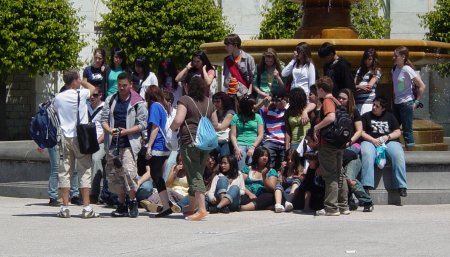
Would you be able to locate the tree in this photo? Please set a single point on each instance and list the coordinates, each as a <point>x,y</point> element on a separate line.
<point>162,28</point>
<point>37,36</point>
<point>367,22</point>
<point>438,23</point>
<point>281,20</point>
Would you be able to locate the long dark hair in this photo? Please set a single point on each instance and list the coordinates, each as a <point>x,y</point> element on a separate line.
<point>121,54</point>
<point>142,62</point>
<point>246,112</point>
<point>227,101</point>
<point>234,170</point>
<point>260,151</point>
<point>196,88</point>
<point>102,52</point>
<point>297,163</point>
<point>167,68</point>
<point>204,58</point>
<point>262,64</point>
<point>304,48</point>
<point>351,106</point>
<point>363,68</point>
<point>297,102</point>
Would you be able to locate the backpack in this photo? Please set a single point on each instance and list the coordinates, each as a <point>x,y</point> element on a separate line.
<point>206,137</point>
<point>171,137</point>
<point>44,126</point>
<point>340,132</point>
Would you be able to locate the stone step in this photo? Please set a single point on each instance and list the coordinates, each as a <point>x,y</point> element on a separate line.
<point>25,189</point>
<point>429,147</point>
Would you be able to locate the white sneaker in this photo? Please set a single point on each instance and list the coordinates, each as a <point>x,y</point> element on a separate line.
<point>324,213</point>
<point>346,212</point>
<point>279,208</point>
<point>288,206</point>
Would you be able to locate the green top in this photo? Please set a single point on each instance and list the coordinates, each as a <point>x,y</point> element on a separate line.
<point>256,186</point>
<point>298,131</point>
<point>112,81</point>
<point>247,132</point>
<point>265,80</point>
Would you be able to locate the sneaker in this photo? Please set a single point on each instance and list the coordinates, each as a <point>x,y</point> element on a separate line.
<point>368,208</point>
<point>174,207</point>
<point>164,213</point>
<point>197,216</point>
<point>224,210</point>
<point>288,206</point>
<point>324,213</point>
<point>213,209</point>
<point>89,214</point>
<point>76,200</point>
<point>150,206</point>
<point>63,213</point>
<point>402,192</point>
<point>133,207</point>
<point>53,202</point>
<point>279,208</point>
<point>121,211</point>
<point>345,212</point>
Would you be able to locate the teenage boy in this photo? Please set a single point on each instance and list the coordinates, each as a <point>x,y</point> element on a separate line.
<point>337,68</point>
<point>330,157</point>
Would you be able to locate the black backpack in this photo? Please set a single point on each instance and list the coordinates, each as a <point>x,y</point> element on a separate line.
<point>340,132</point>
<point>44,126</point>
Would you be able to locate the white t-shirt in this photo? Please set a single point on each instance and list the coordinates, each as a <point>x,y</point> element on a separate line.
<point>403,86</point>
<point>97,118</point>
<point>150,80</point>
<point>66,106</point>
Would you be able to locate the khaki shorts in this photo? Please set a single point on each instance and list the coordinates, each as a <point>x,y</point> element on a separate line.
<point>124,179</point>
<point>71,153</point>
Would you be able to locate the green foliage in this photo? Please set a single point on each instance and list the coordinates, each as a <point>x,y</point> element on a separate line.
<point>162,28</point>
<point>281,20</point>
<point>38,36</point>
<point>438,23</point>
<point>367,22</point>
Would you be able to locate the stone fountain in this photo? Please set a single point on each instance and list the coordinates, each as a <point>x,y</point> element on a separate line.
<point>329,21</point>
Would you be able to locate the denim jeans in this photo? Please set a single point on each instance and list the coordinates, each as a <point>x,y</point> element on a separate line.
<point>353,169</point>
<point>276,152</point>
<point>144,191</point>
<point>404,114</point>
<point>97,171</point>
<point>232,193</point>
<point>52,190</point>
<point>360,193</point>
<point>394,152</point>
<point>223,149</point>
<point>243,161</point>
<point>172,160</point>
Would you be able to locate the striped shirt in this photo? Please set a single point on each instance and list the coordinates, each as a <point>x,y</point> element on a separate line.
<point>274,124</point>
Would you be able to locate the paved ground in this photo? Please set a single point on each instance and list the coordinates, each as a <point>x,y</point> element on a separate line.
<point>29,228</point>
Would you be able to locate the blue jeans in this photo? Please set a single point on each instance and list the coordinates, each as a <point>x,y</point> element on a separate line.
<point>223,149</point>
<point>360,193</point>
<point>172,160</point>
<point>232,193</point>
<point>394,152</point>
<point>276,152</point>
<point>52,190</point>
<point>243,161</point>
<point>144,191</point>
<point>404,114</point>
<point>353,169</point>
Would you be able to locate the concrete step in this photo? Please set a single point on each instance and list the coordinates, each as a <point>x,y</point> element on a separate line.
<point>25,189</point>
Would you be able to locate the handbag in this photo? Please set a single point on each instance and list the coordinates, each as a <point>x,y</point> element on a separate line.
<point>86,134</point>
<point>223,136</point>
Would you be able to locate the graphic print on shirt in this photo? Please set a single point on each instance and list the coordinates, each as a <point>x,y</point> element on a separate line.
<point>380,127</point>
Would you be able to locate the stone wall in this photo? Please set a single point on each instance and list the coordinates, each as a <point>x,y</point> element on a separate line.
<point>20,104</point>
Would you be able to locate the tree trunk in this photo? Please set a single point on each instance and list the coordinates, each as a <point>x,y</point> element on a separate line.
<point>4,132</point>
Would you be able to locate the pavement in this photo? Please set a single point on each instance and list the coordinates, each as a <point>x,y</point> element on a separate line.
<point>30,228</point>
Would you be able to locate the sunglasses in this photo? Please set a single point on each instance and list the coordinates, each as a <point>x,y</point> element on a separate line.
<point>95,95</point>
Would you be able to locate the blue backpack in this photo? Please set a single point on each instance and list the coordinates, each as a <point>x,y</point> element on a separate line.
<point>44,126</point>
<point>206,137</point>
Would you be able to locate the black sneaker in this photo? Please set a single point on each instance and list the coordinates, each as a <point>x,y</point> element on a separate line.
<point>224,210</point>
<point>121,211</point>
<point>53,202</point>
<point>368,208</point>
<point>164,213</point>
<point>133,207</point>
<point>213,209</point>
<point>76,200</point>
<point>402,192</point>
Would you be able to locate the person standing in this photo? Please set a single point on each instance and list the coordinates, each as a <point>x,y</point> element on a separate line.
<point>144,74</point>
<point>330,157</point>
<point>408,89</point>
<point>96,73</point>
<point>124,118</point>
<point>68,105</point>
<point>337,68</point>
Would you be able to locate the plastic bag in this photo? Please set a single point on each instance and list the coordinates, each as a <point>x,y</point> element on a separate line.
<point>380,160</point>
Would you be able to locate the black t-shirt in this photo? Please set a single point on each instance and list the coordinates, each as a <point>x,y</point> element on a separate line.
<point>93,75</point>
<point>379,126</point>
<point>341,73</point>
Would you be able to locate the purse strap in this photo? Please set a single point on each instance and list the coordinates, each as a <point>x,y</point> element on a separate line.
<point>78,108</point>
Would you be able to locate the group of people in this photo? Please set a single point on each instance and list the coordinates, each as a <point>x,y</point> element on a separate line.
<point>270,122</point>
